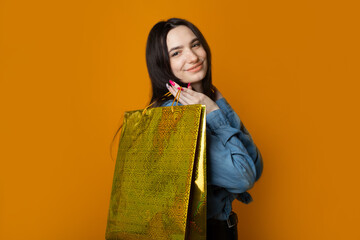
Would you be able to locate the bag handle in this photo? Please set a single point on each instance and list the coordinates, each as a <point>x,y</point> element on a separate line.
<point>177,97</point>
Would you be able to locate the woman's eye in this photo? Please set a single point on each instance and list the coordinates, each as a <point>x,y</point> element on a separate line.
<point>196,44</point>
<point>174,54</point>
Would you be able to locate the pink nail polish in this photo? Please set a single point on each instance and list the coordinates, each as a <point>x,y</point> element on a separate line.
<point>171,82</point>
<point>188,85</point>
<point>179,88</point>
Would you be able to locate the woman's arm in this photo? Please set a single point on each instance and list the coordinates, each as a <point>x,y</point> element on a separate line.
<point>229,163</point>
<point>244,135</point>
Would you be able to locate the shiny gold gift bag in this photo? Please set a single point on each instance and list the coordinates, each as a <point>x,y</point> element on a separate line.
<point>159,184</point>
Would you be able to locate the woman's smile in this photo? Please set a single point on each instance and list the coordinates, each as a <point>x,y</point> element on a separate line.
<point>196,68</point>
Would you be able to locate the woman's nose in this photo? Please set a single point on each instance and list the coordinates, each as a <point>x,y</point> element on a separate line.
<point>192,57</point>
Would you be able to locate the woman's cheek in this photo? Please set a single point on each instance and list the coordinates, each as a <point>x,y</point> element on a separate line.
<point>179,67</point>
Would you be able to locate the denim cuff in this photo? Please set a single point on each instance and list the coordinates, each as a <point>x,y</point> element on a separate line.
<point>244,197</point>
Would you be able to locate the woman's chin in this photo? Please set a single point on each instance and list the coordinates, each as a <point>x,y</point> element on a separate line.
<point>193,79</point>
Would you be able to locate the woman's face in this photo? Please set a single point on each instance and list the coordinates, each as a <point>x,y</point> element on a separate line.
<point>187,55</point>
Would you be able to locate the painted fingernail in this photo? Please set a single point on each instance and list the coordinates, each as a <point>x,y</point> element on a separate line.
<point>167,85</point>
<point>179,88</point>
<point>188,85</point>
<point>172,83</point>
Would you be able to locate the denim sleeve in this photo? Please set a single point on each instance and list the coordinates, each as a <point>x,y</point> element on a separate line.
<point>244,135</point>
<point>229,163</point>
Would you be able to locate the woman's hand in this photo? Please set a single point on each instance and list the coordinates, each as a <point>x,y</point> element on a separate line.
<point>189,96</point>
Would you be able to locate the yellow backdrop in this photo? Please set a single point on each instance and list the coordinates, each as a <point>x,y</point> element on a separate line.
<point>69,70</point>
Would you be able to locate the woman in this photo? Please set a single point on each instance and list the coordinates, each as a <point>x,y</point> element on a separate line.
<point>178,55</point>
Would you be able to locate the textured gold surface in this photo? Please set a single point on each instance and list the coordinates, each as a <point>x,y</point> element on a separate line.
<point>161,159</point>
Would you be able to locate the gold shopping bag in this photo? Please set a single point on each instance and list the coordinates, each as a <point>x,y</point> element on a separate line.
<point>159,183</point>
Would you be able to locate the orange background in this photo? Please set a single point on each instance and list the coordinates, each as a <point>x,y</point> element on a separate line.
<point>69,70</point>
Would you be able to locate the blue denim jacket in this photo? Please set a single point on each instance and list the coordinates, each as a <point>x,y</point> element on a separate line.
<point>234,163</point>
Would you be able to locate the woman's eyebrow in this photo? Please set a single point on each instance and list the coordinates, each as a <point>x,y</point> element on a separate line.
<point>192,41</point>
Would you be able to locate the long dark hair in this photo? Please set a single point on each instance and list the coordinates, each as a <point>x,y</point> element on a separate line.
<point>158,62</point>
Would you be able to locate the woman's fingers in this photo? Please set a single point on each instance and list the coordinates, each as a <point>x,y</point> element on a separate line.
<point>175,87</point>
<point>190,92</point>
<point>189,86</point>
<point>174,92</point>
<point>184,98</point>
<point>193,96</point>
<point>187,95</point>
<point>184,94</point>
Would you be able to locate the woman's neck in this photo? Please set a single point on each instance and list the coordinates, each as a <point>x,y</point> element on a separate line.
<point>197,86</point>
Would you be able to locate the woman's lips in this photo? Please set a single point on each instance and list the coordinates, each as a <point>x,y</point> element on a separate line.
<point>196,67</point>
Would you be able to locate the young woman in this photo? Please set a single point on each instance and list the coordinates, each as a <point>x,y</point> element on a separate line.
<point>177,55</point>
